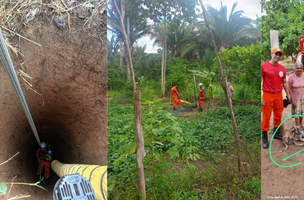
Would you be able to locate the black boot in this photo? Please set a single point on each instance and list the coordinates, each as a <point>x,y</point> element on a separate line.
<point>265,140</point>
<point>174,108</point>
<point>45,181</point>
<point>37,178</point>
<point>277,134</point>
<point>200,110</point>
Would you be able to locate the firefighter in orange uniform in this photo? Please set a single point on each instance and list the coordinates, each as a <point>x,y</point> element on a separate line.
<point>201,97</point>
<point>175,95</point>
<point>273,78</point>
<point>44,157</point>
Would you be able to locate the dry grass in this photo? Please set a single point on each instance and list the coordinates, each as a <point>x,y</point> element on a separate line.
<point>21,196</point>
<point>16,14</point>
<point>9,159</point>
<point>30,184</point>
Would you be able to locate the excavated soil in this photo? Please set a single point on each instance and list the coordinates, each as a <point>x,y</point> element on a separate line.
<point>69,71</point>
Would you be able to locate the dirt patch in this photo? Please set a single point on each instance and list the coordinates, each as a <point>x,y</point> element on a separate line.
<point>279,182</point>
<point>188,112</point>
<point>69,73</point>
<point>287,63</point>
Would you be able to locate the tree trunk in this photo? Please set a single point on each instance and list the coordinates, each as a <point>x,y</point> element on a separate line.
<point>165,62</point>
<point>121,55</point>
<point>128,36</point>
<point>219,90</point>
<point>212,96</point>
<point>224,84</point>
<point>163,81</point>
<point>162,72</point>
<point>245,92</point>
<point>211,89</point>
<point>128,70</point>
<point>140,151</point>
<point>194,96</point>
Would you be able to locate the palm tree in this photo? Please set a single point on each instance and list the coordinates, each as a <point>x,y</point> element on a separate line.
<point>136,25</point>
<point>159,33</point>
<point>233,30</point>
<point>140,59</point>
<point>112,48</point>
<point>180,35</point>
<point>188,41</point>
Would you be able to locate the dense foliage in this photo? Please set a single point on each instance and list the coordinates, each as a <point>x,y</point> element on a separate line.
<point>169,139</point>
<point>286,17</point>
<point>233,29</point>
<point>191,157</point>
<point>242,65</point>
<point>186,39</point>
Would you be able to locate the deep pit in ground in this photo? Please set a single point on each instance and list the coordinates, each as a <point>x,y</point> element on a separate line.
<point>69,71</point>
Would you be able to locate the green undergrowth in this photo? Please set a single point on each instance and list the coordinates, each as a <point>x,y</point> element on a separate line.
<point>186,157</point>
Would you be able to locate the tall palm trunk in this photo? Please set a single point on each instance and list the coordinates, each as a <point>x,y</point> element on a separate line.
<point>162,71</point>
<point>128,35</point>
<point>164,60</point>
<point>121,56</point>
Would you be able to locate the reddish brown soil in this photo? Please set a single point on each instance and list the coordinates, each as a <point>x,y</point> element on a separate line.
<point>69,71</point>
<point>279,182</point>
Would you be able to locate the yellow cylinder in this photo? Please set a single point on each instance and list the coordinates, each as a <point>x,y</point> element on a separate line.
<point>96,174</point>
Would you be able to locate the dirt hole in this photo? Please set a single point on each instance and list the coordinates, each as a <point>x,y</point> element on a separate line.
<point>67,98</point>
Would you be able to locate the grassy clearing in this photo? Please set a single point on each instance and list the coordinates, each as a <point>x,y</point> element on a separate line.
<point>190,157</point>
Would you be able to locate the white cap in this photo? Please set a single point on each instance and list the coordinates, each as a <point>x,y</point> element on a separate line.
<point>200,84</point>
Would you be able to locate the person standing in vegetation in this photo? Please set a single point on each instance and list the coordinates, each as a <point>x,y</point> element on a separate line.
<point>175,96</point>
<point>296,87</point>
<point>273,77</point>
<point>201,97</point>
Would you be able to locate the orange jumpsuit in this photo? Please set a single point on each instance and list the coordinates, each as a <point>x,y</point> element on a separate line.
<point>273,76</point>
<point>174,96</point>
<point>273,102</point>
<point>201,98</point>
<point>45,162</point>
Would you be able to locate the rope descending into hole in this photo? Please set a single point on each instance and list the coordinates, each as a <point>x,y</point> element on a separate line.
<point>9,67</point>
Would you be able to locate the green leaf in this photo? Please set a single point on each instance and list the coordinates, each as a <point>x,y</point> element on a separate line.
<point>133,148</point>
<point>157,157</point>
<point>155,132</point>
<point>173,152</point>
<point>111,186</point>
<point>251,48</point>
<point>88,5</point>
<point>129,148</point>
<point>158,143</point>
<point>175,139</point>
<point>167,138</point>
<point>116,163</point>
<point>3,188</point>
